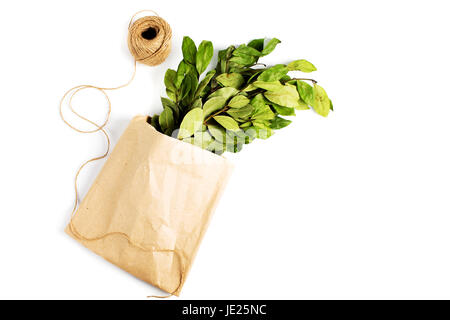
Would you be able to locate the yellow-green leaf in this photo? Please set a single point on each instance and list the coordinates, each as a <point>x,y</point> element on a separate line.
<point>241,113</point>
<point>238,101</point>
<point>279,123</point>
<point>202,85</point>
<point>322,104</point>
<point>284,111</point>
<point>213,104</point>
<point>306,92</point>
<point>269,86</point>
<point>258,101</point>
<point>301,65</point>
<point>234,80</point>
<point>217,132</point>
<point>226,92</point>
<point>227,122</point>
<point>191,123</point>
<point>250,87</point>
<point>244,50</point>
<point>286,96</point>
<point>270,46</point>
<point>264,113</point>
<point>202,139</point>
<point>274,73</point>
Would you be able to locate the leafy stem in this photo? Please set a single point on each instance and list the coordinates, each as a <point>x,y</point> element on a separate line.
<point>215,114</point>
<point>239,93</point>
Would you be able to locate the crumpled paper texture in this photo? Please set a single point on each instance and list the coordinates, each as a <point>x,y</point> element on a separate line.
<point>158,191</point>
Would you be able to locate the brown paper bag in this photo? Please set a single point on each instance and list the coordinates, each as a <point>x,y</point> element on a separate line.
<point>150,205</point>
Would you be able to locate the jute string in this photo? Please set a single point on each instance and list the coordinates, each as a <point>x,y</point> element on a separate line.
<point>151,52</point>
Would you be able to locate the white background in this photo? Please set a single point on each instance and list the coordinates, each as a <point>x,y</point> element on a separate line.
<point>352,206</point>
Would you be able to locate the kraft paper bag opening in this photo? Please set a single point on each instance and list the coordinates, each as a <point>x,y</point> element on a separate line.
<point>150,205</point>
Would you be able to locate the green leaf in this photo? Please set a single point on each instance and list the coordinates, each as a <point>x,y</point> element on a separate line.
<point>234,80</point>
<point>213,104</point>
<point>262,131</point>
<point>235,141</point>
<point>284,111</point>
<point>322,103</point>
<point>166,121</point>
<point>255,74</point>
<point>194,84</point>
<point>197,103</point>
<point>286,96</point>
<point>269,86</point>
<point>250,134</point>
<point>188,84</point>
<point>204,55</point>
<point>202,139</point>
<point>249,88</point>
<point>204,83</point>
<point>257,44</point>
<point>171,94</point>
<point>217,132</point>
<point>301,65</point>
<point>223,56</point>
<point>244,50</point>
<point>181,71</point>
<point>306,92</point>
<point>258,124</point>
<point>302,105</point>
<point>238,101</point>
<point>331,106</point>
<point>244,60</point>
<point>216,147</point>
<point>170,104</point>
<point>274,73</point>
<point>241,113</point>
<point>246,124</point>
<point>192,122</point>
<point>234,67</point>
<point>189,50</point>
<point>169,79</point>
<point>227,122</point>
<point>279,123</point>
<point>285,78</point>
<point>226,92</point>
<point>258,101</point>
<point>270,46</point>
<point>154,121</point>
<point>264,113</point>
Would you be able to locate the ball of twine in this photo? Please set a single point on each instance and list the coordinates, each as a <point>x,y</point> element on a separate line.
<point>149,40</point>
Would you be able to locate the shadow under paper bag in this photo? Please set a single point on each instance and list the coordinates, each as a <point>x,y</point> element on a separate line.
<point>150,205</point>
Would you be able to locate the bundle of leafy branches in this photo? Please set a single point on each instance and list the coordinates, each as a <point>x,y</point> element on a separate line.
<point>239,100</point>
